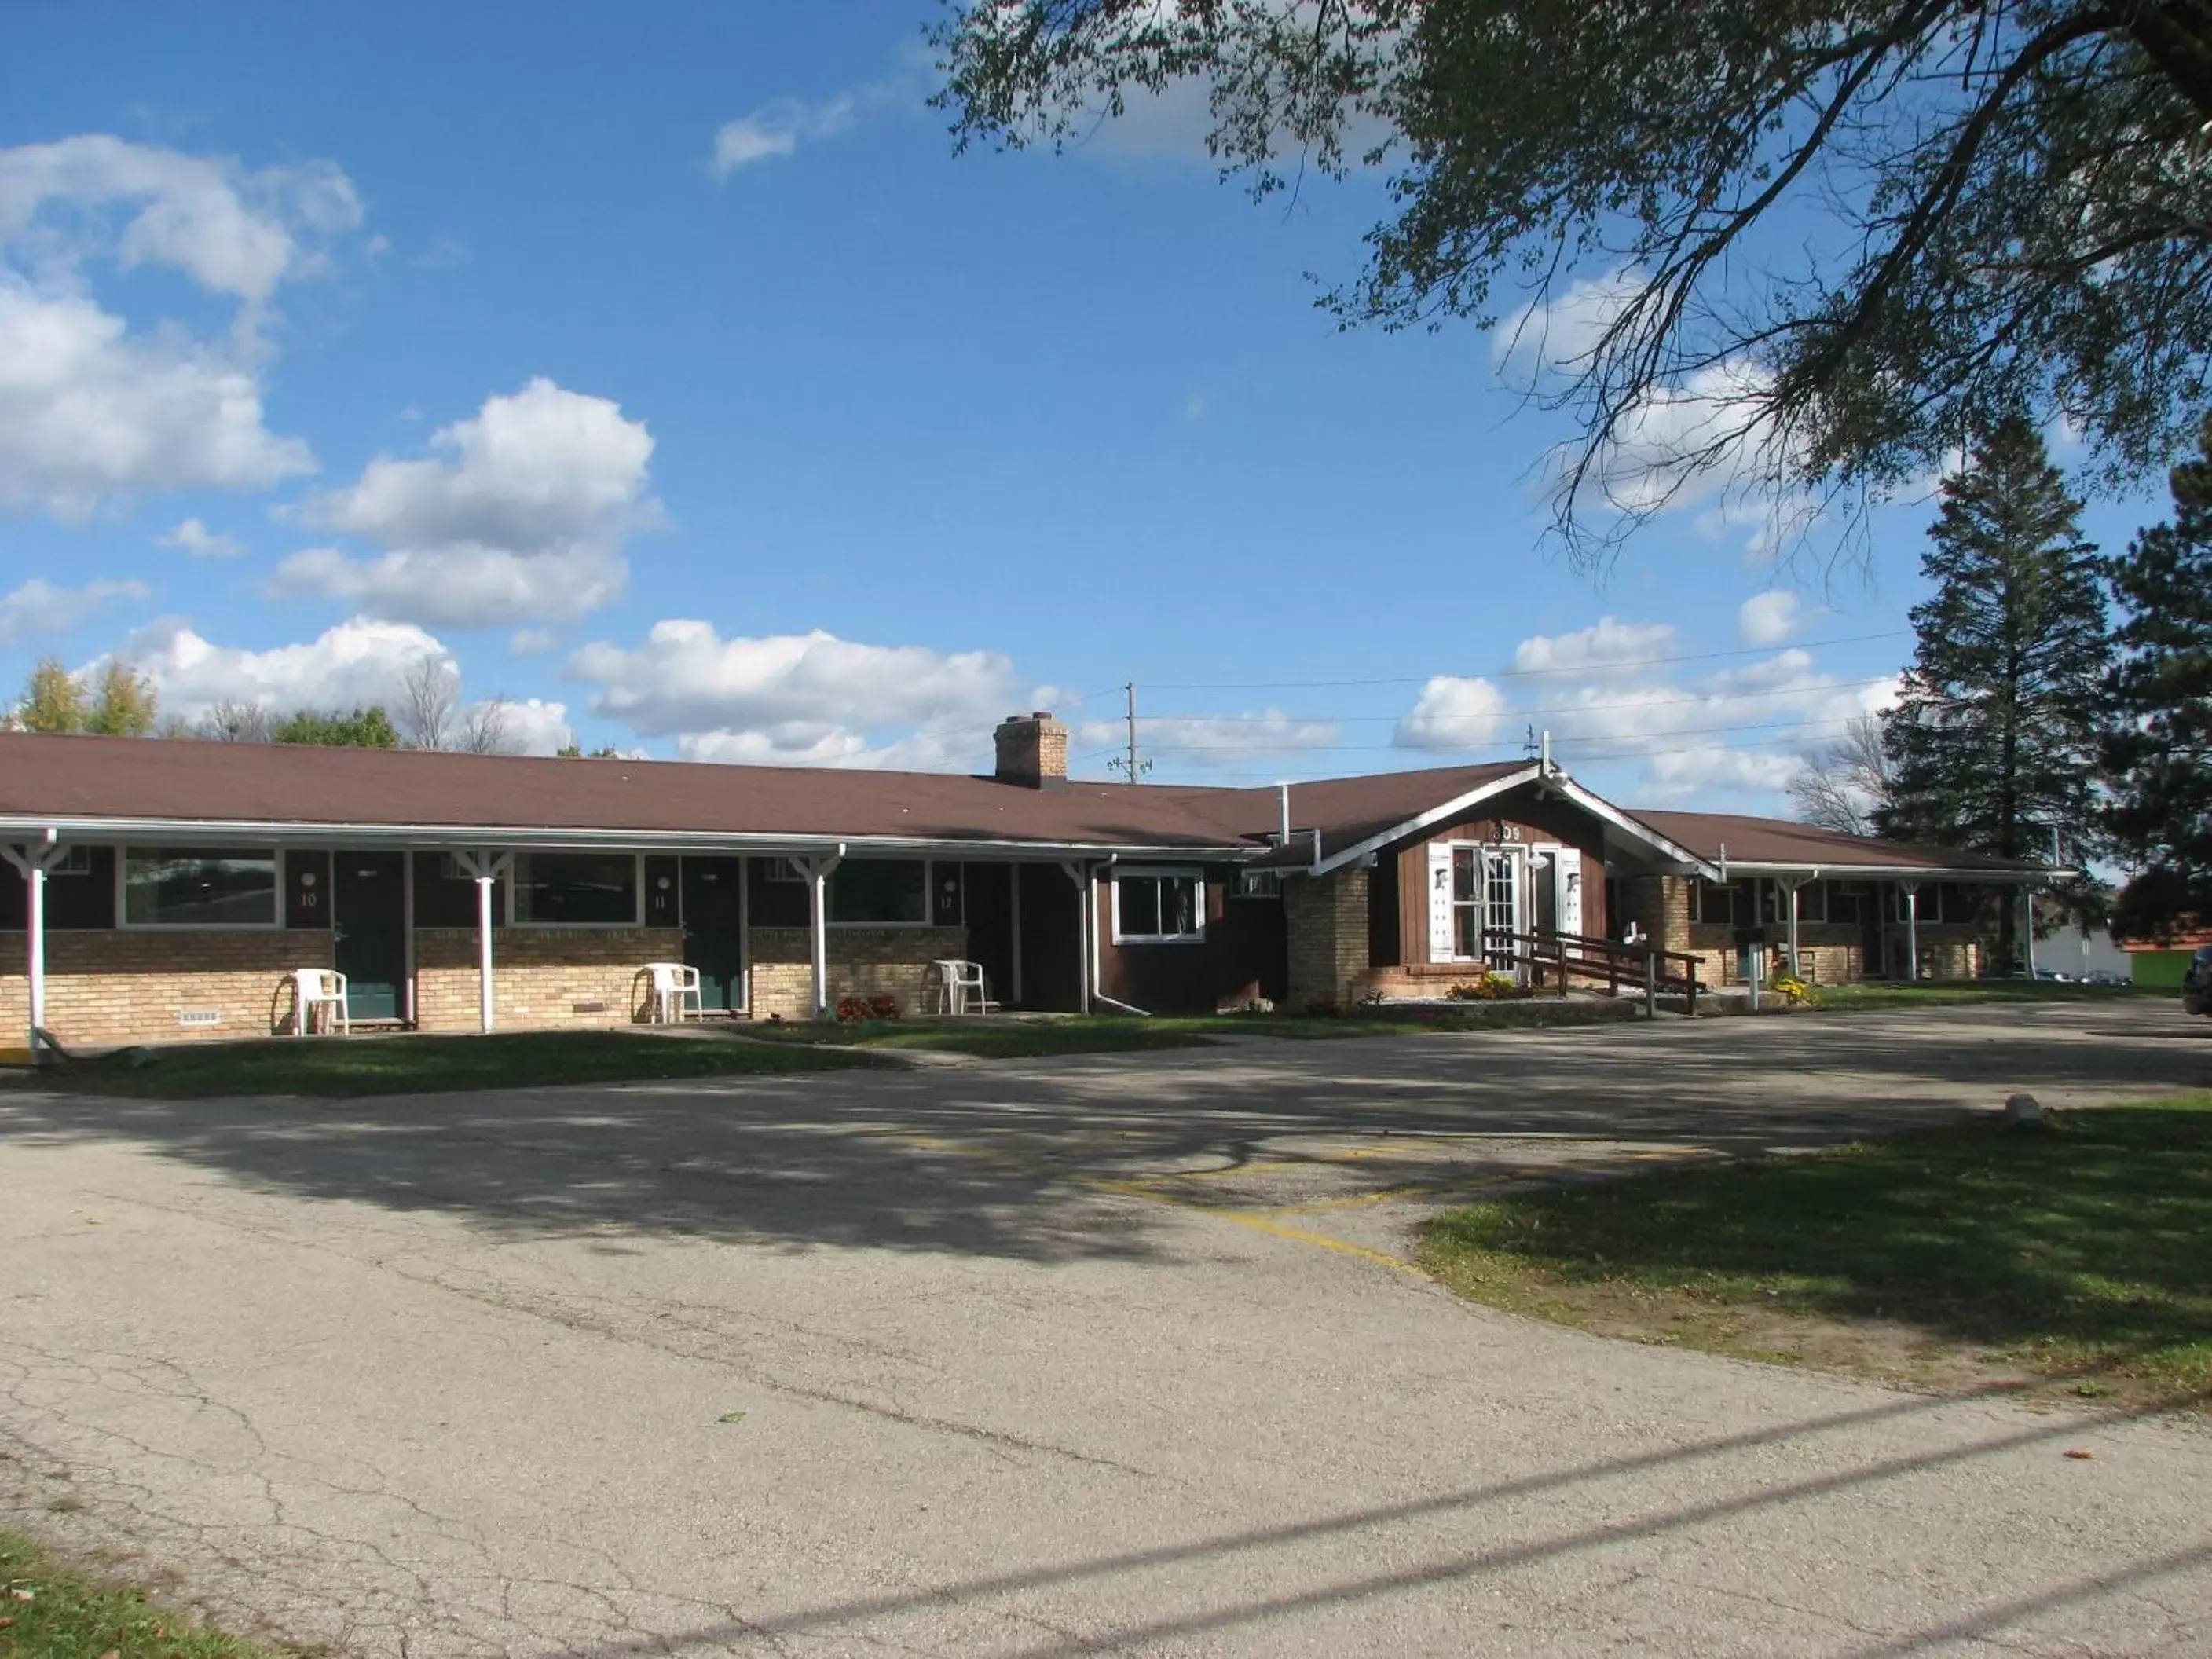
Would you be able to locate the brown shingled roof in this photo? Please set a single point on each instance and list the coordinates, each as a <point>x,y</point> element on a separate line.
<point>1779,841</point>
<point>168,779</point>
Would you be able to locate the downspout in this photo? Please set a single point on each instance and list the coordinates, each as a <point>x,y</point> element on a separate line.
<point>1090,932</point>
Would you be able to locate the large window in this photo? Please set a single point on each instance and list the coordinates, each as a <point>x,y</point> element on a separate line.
<point>1725,904</point>
<point>197,887</point>
<point>880,892</point>
<point>575,889</point>
<point>1164,907</point>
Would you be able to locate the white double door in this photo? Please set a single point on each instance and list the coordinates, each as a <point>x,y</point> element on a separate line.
<point>1479,892</point>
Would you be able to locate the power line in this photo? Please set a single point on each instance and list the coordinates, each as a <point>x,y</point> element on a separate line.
<point>1586,668</point>
<point>1798,725</point>
<point>1274,776</point>
<point>1559,711</point>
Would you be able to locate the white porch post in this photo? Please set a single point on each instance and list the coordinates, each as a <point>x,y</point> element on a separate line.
<point>2027,927</point>
<point>817,873</point>
<point>1912,930</point>
<point>1079,873</point>
<point>34,860</point>
<point>486,868</point>
<point>1790,884</point>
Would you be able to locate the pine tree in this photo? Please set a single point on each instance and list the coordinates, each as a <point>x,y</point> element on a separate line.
<point>1995,735</point>
<point>2158,748</point>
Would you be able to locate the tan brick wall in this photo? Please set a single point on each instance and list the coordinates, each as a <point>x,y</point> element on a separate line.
<point>1326,923</point>
<point>1834,953</point>
<point>870,962</point>
<point>541,976</point>
<point>1660,905</point>
<point>107,986</point>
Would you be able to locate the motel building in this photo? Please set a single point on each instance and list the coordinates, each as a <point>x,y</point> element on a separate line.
<point>161,889</point>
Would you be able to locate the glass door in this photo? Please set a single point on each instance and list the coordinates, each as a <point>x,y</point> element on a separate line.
<point>1501,896</point>
<point>1486,892</point>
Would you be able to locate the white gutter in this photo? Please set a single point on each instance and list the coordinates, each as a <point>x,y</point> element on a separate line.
<point>1832,871</point>
<point>429,837</point>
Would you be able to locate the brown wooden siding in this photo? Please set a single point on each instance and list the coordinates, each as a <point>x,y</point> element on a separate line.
<point>1537,821</point>
<point>1241,957</point>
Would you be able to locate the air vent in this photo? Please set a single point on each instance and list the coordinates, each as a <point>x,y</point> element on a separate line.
<point>198,1019</point>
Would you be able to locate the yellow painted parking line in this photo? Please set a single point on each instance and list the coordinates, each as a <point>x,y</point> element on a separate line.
<point>1151,1189</point>
<point>1482,1180</point>
<point>1258,1221</point>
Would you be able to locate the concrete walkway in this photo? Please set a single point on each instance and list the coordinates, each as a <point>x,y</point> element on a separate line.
<point>1104,1354</point>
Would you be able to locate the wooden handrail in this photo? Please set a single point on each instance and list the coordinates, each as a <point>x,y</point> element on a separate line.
<point>1636,966</point>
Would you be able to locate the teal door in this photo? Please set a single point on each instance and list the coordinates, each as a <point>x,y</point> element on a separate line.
<point>368,931</point>
<point>713,929</point>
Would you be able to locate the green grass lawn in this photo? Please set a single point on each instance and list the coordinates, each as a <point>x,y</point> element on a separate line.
<point>339,1066</point>
<point>1938,993</point>
<point>50,1612</point>
<point>1948,1257</point>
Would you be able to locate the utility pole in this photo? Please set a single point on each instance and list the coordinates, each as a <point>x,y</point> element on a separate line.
<point>1128,764</point>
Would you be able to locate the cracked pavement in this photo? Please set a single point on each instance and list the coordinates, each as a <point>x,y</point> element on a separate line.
<point>1111,1354</point>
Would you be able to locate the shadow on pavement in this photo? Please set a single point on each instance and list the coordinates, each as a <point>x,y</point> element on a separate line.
<point>1004,1161</point>
<point>1469,1566</point>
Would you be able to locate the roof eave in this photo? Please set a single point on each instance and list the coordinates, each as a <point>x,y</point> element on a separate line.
<point>437,837</point>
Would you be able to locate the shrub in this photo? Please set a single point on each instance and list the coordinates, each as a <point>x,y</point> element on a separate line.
<point>857,1010</point>
<point>1792,990</point>
<point>1491,988</point>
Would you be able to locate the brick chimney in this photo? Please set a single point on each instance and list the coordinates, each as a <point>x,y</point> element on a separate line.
<point>1032,752</point>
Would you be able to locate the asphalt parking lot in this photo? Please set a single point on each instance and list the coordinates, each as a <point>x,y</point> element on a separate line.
<point>1117,1353</point>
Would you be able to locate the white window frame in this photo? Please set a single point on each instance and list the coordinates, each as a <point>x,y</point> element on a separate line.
<point>928,902</point>
<point>1163,873</point>
<point>778,870</point>
<point>124,924</point>
<point>76,861</point>
<point>514,882</point>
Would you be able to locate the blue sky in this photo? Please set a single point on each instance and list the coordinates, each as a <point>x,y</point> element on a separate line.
<point>679,387</point>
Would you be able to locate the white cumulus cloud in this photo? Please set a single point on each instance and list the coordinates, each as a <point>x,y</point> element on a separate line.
<point>39,607</point>
<point>197,540</point>
<point>231,231</point>
<point>92,409</point>
<point>1609,645</point>
<point>521,517</point>
<point>1456,713</point>
<point>361,661</point>
<point>531,724</point>
<point>1771,617</point>
<point>798,690</point>
<point>1643,728</point>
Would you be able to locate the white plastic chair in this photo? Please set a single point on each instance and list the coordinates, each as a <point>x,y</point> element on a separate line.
<point>968,991</point>
<point>676,992</point>
<point>323,988</point>
<point>948,981</point>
